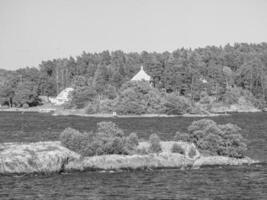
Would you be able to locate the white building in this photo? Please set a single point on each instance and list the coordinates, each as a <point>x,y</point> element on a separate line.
<point>62,97</point>
<point>141,76</point>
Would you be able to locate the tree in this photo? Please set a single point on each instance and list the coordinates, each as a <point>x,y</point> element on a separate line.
<point>100,79</point>
<point>82,96</point>
<point>26,93</point>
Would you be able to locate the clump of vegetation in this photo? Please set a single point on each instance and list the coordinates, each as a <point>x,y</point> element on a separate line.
<point>231,96</point>
<point>182,137</point>
<point>73,139</point>
<point>142,151</point>
<point>108,139</point>
<point>25,105</point>
<point>176,148</point>
<point>154,141</point>
<point>133,139</point>
<point>138,97</point>
<point>216,139</point>
<point>192,152</point>
<point>176,104</point>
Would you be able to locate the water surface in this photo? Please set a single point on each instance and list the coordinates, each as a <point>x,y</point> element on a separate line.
<point>239,182</point>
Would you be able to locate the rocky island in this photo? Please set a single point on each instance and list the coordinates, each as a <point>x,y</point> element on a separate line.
<point>52,157</point>
<point>206,144</point>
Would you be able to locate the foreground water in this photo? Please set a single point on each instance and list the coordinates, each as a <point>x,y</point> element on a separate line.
<point>208,183</point>
<point>242,182</point>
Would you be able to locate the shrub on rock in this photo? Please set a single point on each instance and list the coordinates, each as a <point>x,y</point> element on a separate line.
<point>132,143</point>
<point>175,104</point>
<point>155,146</point>
<point>181,137</point>
<point>73,139</point>
<point>176,148</point>
<point>108,139</point>
<point>192,152</point>
<point>216,139</point>
<point>109,129</point>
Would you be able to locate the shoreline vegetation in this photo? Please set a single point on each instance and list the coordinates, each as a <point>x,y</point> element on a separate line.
<point>199,82</point>
<point>59,110</point>
<point>205,144</point>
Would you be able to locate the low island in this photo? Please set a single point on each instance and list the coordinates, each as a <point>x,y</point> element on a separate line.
<point>205,144</point>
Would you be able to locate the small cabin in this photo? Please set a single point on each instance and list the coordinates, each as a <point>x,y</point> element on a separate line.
<point>141,76</point>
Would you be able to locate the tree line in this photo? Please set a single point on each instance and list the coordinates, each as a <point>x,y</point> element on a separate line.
<point>187,72</point>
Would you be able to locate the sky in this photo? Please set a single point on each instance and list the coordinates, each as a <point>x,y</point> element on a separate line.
<point>32,31</point>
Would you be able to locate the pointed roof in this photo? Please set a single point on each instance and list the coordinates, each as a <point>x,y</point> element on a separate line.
<point>141,75</point>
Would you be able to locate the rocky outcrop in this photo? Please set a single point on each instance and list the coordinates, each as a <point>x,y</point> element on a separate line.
<point>49,157</point>
<point>41,157</point>
<point>221,160</point>
<point>113,162</point>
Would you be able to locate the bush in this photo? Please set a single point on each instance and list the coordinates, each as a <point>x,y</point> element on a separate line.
<point>142,151</point>
<point>132,142</point>
<point>107,105</point>
<point>192,152</point>
<point>216,139</point>
<point>132,98</point>
<point>182,137</point>
<point>260,103</point>
<point>109,129</point>
<point>138,97</point>
<point>155,102</point>
<point>25,105</point>
<point>176,104</point>
<point>176,148</point>
<point>108,139</point>
<point>81,96</point>
<point>91,107</point>
<point>205,98</point>
<point>133,139</point>
<point>155,146</point>
<point>73,139</point>
<point>231,96</point>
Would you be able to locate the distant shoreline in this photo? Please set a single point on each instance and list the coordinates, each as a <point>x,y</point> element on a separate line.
<point>67,112</point>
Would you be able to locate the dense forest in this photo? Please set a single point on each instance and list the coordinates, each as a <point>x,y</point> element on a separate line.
<point>185,72</point>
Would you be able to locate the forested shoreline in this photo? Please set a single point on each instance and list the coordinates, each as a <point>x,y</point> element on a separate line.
<point>184,74</point>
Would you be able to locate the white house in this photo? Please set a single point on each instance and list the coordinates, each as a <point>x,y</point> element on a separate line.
<point>141,76</point>
<point>62,97</point>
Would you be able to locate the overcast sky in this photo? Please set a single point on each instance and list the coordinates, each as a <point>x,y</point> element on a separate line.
<point>35,30</point>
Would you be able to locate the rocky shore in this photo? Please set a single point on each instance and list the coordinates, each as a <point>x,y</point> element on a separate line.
<point>52,157</point>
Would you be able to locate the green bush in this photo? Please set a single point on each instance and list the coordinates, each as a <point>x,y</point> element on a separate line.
<point>154,146</point>
<point>107,105</point>
<point>83,95</point>
<point>142,151</point>
<point>176,104</point>
<point>91,107</point>
<point>74,140</point>
<point>108,139</point>
<point>260,103</point>
<point>181,137</point>
<point>192,152</point>
<point>176,148</point>
<point>132,139</point>
<point>109,129</point>
<point>205,98</point>
<point>132,142</point>
<point>216,139</point>
<point>231,96</point>
<point>138,97</point>
<point>25,105</point>
<point>132,98</point>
